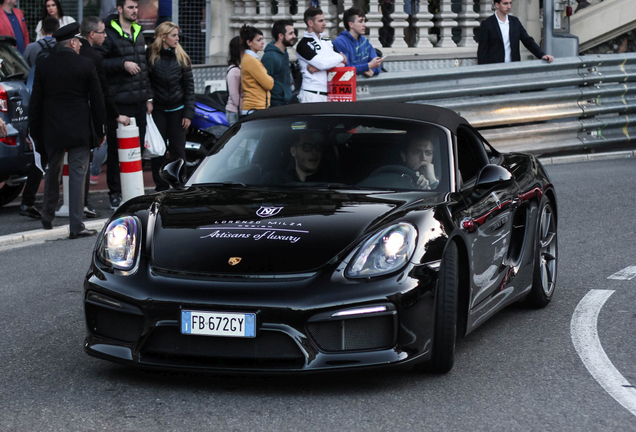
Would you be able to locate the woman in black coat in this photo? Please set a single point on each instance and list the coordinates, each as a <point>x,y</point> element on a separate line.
<point>173,86</point>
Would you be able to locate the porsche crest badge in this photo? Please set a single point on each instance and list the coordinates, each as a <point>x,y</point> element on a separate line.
<point>234,261</point>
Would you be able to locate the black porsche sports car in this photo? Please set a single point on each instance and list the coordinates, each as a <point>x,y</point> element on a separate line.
<point>321,237</point>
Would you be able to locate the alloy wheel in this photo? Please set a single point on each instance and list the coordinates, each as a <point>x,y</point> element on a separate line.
<point>548,250</point>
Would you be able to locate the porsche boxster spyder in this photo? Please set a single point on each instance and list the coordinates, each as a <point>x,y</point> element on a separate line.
<point>320,237</point>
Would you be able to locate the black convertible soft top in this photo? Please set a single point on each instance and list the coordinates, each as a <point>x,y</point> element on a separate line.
<point>433,114</point>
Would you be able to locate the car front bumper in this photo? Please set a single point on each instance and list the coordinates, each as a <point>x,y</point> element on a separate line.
<point>317,323</point>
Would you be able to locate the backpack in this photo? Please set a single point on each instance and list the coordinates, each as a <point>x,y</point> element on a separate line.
<point>48,48</point>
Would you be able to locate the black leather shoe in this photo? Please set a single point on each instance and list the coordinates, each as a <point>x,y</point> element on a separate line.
<point>47,224</point>
<point>83,233</point>
<point>30,211</point>
<point>90,212</point>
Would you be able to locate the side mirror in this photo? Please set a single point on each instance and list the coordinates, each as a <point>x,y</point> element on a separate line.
<point>174,173</point>
<point>493,175</point>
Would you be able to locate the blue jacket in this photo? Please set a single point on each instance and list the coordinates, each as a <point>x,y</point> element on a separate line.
<point>359,52</point>
<point>277,64</point>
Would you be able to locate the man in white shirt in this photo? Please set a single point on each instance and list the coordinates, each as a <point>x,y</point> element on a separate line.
<point>316,56</point>
<point>499,37</point>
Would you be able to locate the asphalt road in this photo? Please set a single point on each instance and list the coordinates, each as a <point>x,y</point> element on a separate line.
<point>518,372</point>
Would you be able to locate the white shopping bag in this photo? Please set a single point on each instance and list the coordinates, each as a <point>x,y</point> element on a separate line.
<point>154,144</point>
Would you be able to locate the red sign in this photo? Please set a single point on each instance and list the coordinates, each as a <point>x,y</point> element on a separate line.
<point>341,84</point>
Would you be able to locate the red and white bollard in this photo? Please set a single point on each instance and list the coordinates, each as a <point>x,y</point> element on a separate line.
<point>63,211</point>
<point>130,171</point>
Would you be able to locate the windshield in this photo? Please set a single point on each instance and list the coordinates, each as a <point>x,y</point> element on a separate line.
<point>12,62</point>
<point>330,151</point>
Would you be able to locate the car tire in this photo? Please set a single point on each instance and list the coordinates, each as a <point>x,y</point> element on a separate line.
<point>8,193</point>
<point>445,333</point>
<point>545,257</point>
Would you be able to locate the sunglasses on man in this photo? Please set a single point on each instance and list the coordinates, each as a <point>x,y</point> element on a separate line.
<point>309,147</point>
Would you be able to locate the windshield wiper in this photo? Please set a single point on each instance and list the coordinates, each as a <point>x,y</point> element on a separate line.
<point>321,185</point>
<point>224,184</point>
<point>19,75</point>
<point>341,186</point>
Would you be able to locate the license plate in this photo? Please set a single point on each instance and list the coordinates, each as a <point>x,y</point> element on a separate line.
<point>218,323</point>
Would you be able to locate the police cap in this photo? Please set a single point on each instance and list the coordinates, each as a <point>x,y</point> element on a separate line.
<point>67,32</point>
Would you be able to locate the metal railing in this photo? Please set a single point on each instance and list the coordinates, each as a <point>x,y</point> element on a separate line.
<point>397,24</point>
<point>574,103</point>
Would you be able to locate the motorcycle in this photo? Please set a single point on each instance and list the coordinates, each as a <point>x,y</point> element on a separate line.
<point>209,121</point>
<point>207,126</point>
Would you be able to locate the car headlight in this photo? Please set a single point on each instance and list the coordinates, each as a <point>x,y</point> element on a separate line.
<point>118,247</point>
<point>385,252</point>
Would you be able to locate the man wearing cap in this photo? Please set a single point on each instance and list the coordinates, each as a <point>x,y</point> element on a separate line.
<point>67,113</point>
<point>124,52</point>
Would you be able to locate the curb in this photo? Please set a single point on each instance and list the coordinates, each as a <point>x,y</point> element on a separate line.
<point>58,232</point>
<point>588,157</point>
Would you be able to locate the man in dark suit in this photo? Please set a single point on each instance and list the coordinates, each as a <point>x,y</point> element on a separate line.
<point>67,113</point>
<point>499,37</point>
<point>93,32</point>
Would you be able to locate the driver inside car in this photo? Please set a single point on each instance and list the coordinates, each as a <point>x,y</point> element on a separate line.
<point>418,156</point>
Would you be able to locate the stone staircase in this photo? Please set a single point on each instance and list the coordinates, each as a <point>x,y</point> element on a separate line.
<point>603,22</point>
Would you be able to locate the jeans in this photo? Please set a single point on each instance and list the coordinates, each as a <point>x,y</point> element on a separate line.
<point>99,156</point>
<point>232,117</point>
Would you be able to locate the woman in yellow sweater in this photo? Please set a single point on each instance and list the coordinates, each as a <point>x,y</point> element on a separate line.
<point>255,81</point>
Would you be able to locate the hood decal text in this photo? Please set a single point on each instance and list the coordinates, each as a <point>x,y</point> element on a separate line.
<point>255,233</point>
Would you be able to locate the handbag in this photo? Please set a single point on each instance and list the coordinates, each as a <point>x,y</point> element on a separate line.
<point>154,145</point>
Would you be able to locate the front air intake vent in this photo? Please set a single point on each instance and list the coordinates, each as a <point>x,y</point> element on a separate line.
<point>357,334</point>
<point>268,345</point>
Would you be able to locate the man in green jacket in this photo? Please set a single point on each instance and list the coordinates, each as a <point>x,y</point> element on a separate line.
<point>276,61</point>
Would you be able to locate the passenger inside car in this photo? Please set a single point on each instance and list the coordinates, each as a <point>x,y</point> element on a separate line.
<point>307,153</point>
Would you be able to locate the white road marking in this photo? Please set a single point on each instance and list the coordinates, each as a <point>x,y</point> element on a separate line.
<point>583,328</point>
<point>628,273</point>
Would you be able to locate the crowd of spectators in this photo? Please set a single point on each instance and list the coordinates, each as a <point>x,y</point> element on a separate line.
<point>97,75</point>
<point>137,81</point>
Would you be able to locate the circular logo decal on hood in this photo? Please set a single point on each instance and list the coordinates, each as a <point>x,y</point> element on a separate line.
<point>268,211</point>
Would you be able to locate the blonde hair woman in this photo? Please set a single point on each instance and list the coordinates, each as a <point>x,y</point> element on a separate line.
<point>170,71</point>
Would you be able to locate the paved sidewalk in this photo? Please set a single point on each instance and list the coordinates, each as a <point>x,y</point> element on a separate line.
<point>20,230</point>
<point>16,229</point>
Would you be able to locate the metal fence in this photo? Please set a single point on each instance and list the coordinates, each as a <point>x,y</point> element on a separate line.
<point>195,27</point>
<point>206,73</point>
<point>574,103</point>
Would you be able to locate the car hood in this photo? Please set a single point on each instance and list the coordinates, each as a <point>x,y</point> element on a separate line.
<point>242,231</point>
